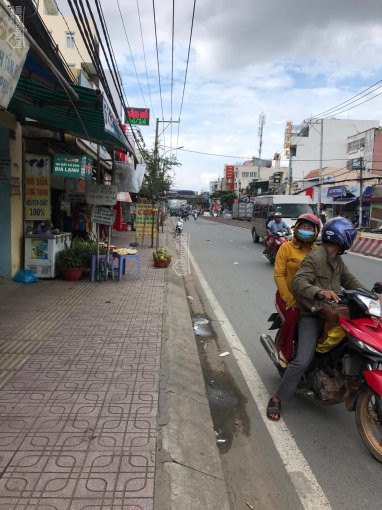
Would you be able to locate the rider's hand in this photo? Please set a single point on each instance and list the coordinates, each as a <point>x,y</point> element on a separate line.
<point>329,295</point>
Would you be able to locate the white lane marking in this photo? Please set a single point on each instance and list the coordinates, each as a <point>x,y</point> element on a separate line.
<point>379,259</point>
<point>305,483</point>
<point>245,247</point>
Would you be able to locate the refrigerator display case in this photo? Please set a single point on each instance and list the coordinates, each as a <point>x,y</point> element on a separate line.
<point>41,251</point>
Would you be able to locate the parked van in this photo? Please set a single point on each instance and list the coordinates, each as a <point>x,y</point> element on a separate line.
<point>290,206</point>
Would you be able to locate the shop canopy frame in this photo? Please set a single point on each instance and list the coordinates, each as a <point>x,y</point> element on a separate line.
<point>50,105</point>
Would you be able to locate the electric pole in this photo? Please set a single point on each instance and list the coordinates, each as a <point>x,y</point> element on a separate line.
<point>262,117</point>
<point>320,172</point>
<point>361,169</point>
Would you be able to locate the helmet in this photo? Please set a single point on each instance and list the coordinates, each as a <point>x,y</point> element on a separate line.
<point>311,218</point>
<point>340,231</point>
<point>278,215</point>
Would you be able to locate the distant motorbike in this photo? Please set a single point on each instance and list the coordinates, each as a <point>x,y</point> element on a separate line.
<point>272,248</point>
<point>179,227</point>
<point>350,369</point>
<point>195,215</point>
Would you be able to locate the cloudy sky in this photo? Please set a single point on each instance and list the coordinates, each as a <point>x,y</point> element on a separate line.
<point>287,58</point>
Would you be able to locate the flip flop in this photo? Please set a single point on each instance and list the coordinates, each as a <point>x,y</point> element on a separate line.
<point>274,408</point>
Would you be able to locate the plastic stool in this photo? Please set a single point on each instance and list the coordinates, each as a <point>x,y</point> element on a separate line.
<point>122,264</point>
<point>93,266</point>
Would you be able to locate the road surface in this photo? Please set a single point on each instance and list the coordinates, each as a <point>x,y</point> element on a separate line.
<point>241,279</point>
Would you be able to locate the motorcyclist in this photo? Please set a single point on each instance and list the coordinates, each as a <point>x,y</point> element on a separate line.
<point>321,276</point>
<point>274,226</point>
<point>288,260</point>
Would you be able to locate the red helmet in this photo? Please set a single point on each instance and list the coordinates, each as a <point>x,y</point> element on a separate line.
<point>311,218</point>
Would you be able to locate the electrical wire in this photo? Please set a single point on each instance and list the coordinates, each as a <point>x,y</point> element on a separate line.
<point>156,45</point>
<point>172,63</point>
<point>144,57</point>
<point>186,72</point>
<point>131,54</point>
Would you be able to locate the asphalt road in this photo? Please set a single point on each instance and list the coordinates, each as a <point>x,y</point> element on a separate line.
<point>242,281</point>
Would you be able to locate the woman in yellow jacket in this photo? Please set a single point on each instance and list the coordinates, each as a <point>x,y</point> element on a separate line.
<point>288,260</point>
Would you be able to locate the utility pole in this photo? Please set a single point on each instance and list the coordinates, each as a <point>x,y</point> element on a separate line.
<point>320,172</point>
<point>361,169</point>
<point>262,117</point>
<point>289,188</point>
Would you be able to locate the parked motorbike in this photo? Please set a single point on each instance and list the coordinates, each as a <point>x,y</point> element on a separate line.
<point>351,371</point>
<point>179,227</point>
<point>277,240</point>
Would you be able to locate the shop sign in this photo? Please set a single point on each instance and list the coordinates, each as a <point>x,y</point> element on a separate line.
<point>110,122</point>
<point>72,167</point>
<point>337,191</point>
<point>13,51</point>
<point>144,221</point>
<point>37,187</point>
<point>5,169</point>
<point>140,116</point>
<point>102,215</point>
<point>101,194</point>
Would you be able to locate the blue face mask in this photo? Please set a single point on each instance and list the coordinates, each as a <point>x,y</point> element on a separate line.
<point>305,234</point>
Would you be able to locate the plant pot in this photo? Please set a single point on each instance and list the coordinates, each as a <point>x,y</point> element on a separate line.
<point>72,274</point>
<point>162,263</point>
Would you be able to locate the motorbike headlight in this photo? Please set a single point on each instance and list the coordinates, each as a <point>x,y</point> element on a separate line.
<point>367,347</point>
<point>373,305</point>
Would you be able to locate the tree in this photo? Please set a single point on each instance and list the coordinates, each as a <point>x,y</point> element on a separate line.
<point>156,182</point>
<point>226,198</point>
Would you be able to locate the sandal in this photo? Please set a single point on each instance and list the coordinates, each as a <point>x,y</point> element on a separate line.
<point>274,408</point>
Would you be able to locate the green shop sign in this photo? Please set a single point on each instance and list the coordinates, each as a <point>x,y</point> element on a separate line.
<point>72,166</point>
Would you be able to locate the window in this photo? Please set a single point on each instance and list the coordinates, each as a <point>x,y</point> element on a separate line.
<point>355,145</point>
<point>70,39</point>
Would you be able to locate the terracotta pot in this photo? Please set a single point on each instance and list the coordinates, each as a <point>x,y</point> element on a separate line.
<point>73,274</point>
<point>162,263</point>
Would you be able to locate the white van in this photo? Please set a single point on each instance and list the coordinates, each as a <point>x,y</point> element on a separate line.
<point>290,206</point>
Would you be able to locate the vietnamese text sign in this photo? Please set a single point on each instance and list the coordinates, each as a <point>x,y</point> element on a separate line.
<point>139,116</point>
<point>102,215</point>
<point>72,166</point>
<point>144,221</point>
<point>337,191</point>
<point>101,194</point>
<point>37,187</point>
<point>13,51</point>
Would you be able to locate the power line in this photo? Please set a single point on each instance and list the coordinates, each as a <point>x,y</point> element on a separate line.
<point>172,61</point>
<point>144,57</point>
<point>131,54</point>
<point>186,72</point>
<point>156,45</point>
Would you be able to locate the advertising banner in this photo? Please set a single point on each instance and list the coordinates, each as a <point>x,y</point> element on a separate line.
<point>229,177</point>
<point>337,191</point>
<point>102,215</point>
<point>140,116</point>
<point>144,221</point>
<point>13,51</point>
<point>101,194</point>
<point>72,166</point>
<point>37,187</point>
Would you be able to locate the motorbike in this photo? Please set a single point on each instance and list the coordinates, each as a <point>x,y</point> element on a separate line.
<point>277,240</point>
<point>195,215</point>
<point>351,372</point>
<point>179,227</point>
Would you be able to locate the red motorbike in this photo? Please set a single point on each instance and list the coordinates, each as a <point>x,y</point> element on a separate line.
<point>352,371</point>
<point>276,240</point>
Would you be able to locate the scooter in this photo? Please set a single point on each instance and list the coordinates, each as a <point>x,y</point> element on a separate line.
<point>179,227</point>
<point>277,240</point>
<point>351,371</point>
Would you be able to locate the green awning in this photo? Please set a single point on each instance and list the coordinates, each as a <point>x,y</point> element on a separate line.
<point>50,106</point>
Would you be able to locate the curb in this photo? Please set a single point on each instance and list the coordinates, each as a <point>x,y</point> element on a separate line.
<point>189,474</point>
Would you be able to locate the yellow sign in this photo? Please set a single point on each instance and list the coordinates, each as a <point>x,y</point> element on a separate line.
<point>37,187</point>
<point>144,221</point>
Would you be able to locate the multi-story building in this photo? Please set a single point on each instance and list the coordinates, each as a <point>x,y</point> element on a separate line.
<point>304,142</point>
<point>366,145</point>
<point>249,173</point>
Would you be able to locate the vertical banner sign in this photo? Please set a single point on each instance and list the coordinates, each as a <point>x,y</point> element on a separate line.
<point>37,187</point>
<point>13,51</point>
<point>144,221</point>
<point>230,176</point>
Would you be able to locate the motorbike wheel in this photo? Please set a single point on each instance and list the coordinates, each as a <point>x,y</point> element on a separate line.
<point>368,423</point>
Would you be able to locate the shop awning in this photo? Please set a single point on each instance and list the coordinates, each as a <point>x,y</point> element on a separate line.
<point>90,118</point>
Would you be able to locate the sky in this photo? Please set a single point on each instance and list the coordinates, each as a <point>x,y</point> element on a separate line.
<point>289,59</point>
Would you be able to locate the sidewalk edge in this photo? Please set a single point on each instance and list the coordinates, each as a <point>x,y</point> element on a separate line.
<point>188,473</point>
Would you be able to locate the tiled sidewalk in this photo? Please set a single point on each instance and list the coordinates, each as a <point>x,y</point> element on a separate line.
<point>78,419</point>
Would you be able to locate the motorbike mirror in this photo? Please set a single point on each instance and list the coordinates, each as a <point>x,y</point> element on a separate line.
<point>377,288</point>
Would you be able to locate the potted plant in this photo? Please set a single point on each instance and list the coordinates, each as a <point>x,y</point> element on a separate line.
<point>70,263</point>
<point>162,258</point>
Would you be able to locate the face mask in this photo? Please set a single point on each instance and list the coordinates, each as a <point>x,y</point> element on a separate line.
<point>305,234</point>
